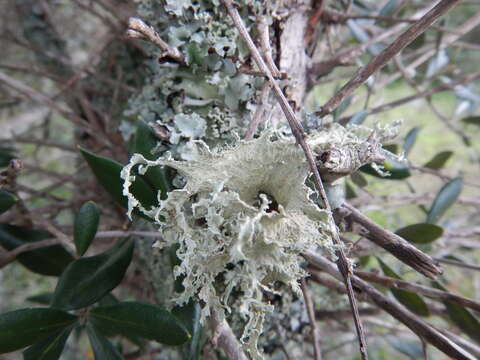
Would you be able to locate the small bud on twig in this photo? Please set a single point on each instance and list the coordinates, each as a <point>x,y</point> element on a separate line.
<point>137,29</point>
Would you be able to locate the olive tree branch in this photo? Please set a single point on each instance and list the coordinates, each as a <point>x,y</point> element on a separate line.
<point>314,330</point>
<point>299,134</point>
<point>413,322</point>
<point>137,29</point>
<point>418,289</point>
<point>394,244</point>
<point>386,55</point>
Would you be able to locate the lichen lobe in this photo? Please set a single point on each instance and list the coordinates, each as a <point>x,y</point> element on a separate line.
<point>241,221</point>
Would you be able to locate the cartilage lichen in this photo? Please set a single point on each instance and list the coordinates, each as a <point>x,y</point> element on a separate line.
<point>243,219</point>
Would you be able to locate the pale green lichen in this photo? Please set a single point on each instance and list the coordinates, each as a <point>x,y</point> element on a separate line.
<point>242,221</point>
<point>245,216</point>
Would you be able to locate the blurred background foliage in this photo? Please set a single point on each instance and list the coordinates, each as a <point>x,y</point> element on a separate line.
<point>77,83</point>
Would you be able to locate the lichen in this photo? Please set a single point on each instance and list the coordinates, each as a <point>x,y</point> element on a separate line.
<point>242,213</point>
<point>209,84</point>
<point>245,216</point>
<point>242,220</point>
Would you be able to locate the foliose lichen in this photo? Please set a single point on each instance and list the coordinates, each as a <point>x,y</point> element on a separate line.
<point>242,221</point>
<point>244,218</point>
<point>209,85</point>
<point>245,215</point>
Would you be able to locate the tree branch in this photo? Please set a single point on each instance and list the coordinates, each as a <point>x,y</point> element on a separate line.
<point>313,322</point>
<point>299,134</point>
<point>417,288</point>
<point>137,29</point>
<point>386,55</point>
<point>224,338</point>
<point>9,256</point>
<point>396,245</point>
<point>413,322</point>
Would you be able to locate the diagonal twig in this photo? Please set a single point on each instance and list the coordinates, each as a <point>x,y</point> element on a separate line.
<point>224,338</point>
<point>299,133</point>
<point>396,245</point>
<point>313,322</point>
<point>10,256</point>
<point>137,29</point>
<point>418,289</point>
<point>386,55</point>
<point>259,115</point>
<point>413,322</point>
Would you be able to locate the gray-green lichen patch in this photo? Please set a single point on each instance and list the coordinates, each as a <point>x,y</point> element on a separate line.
<point>245,215</point>
<point>242,220</point>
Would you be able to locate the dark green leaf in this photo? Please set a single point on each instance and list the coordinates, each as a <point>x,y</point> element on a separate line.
<point>461,317</point>
<point>102,347</point>
<point>43,298</point>
<point>49,260</point>
<point>88,279</point>
<point>358,118</point>
<point>388,8</point>
<point>145,142</point>
<point>7,200</point>
<point>107,172</point>
<point>349,192</point>
<point>6,155</point>
<point>85,226</point>
<point>410,300</point>
<point>24,327</point>
<point>439,160</point>
<point>393,148</point>
<point>189,314</point>
<point>397,170</point>
<point>358,179</point>
<point>445,198</point>
<point>418,42</point>
<point>410,139</point>
<point>138,319</point>
<point>49,348</point>
<point>108,300</point>
<point>364,260</point>
<point>413,349</point>
<point>472,120</point>
<point>342,107</point>
<point>420,233</point>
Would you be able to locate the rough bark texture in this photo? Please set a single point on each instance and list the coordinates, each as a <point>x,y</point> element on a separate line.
<point>293,59</point>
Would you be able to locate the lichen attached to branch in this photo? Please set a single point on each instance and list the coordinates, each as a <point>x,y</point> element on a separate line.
<point>243,219</point>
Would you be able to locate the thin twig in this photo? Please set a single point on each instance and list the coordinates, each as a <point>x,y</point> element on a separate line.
<point>224,338</point>
<point>447,40</point>
<point>396,245</point>
<point>299,134</point>
<point>10,256</point>
<point>425,93</point>
<point>137,29</point>
<point>44,99</point>
<point>259,114</point>
<point>413,322</point>
<point>458,263</point>
<point>386,55</point>
<point>337,17</point>
<point>418,289</point>
<point>262,27</point>
<point>121,233</point>
<point>47,143</point>
<point>314,330</point>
